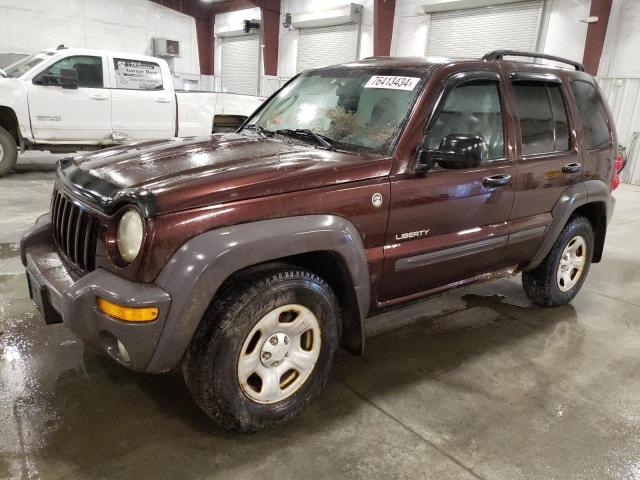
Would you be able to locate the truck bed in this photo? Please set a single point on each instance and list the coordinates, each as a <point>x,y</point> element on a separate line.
<point>197,110</point>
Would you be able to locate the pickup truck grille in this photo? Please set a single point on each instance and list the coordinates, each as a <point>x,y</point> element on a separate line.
<point>75,232</point>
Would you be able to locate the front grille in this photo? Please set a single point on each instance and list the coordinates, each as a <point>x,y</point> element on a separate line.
<point>75,232</point>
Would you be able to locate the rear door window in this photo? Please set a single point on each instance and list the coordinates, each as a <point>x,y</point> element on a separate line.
<point>137,74</point>
<point>594,118</point>
<point>543,117</point>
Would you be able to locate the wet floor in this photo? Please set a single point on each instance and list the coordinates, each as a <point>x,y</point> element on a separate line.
<point>478,383</point>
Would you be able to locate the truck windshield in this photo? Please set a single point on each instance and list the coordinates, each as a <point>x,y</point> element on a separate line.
<point>361,110</point>
<point>21,67</point>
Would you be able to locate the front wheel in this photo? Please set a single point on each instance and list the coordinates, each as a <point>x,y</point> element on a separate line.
<point>265,347</point>
<point>559,278</point>
<point>8,152</point>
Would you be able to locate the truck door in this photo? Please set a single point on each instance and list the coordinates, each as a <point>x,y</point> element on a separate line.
<point>447,225</point>
<point>71,114</point>
<point>143,100</point>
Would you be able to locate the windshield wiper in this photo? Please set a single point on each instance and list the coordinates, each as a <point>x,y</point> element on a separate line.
<point>323,140</point>
<point>258,129</point>
<point>3,74</point>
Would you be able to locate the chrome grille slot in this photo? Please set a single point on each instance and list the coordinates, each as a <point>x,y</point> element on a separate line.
<point>74,231</point>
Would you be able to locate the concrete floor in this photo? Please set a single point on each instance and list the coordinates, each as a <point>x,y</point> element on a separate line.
<point>475,384</point>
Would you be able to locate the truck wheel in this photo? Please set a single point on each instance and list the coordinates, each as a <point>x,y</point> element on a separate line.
<point>265,347</point>
<point>563,271</point>
<point>8,152</point>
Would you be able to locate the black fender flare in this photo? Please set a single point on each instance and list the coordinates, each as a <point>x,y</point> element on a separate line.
<point>577,195</point>
<point>196,271</point>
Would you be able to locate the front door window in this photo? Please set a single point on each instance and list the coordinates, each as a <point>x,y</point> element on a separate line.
<point>89,70</point>
<point>472,108</point>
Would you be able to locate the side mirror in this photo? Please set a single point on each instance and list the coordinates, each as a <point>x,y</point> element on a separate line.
<point>45,80</point>
<point>457,150</point>
<point>69,78</point>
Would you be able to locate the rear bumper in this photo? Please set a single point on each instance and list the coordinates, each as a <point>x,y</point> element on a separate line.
<point>56,289</point>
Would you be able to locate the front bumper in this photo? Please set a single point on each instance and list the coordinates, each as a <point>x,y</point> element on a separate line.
<point>58,292</point>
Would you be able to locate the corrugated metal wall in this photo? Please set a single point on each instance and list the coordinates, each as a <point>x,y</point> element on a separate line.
<point>472,33</point>
<point>623,96</point>
<point>240,64</point>
<point>322,46</point>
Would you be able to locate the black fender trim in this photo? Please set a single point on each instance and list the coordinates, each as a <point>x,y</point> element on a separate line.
<point>590,191</point>
<point>195,272</point>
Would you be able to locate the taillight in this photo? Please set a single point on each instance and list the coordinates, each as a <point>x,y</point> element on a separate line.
<point>618,164</point>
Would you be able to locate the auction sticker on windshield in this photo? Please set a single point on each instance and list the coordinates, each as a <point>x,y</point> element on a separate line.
<point>392,82</point>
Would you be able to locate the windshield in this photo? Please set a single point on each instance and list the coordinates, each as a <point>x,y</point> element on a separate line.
<point>21,67</point>
<point>353,109</point>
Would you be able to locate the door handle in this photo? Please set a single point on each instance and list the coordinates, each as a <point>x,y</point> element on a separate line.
<point>572,168</point>
<point>163,100</point>
<point>97,96</point>
<point>496,181</point>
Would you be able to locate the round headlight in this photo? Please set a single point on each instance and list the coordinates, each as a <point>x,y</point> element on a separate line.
<point>130,233</point>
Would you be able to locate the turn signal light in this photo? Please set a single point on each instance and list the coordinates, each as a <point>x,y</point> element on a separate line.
<point>127,314</point>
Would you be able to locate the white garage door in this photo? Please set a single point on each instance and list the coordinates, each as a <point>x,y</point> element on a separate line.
<point>240,62</point>
<point>322,46</point>
<point>474,32</point>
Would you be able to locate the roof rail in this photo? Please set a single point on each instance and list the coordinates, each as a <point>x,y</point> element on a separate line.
<point>500,54</point>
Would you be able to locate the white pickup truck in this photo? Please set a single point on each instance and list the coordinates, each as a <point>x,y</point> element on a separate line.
<point>65,100</point>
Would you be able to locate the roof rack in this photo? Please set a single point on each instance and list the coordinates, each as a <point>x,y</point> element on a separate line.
<point>500,54</point>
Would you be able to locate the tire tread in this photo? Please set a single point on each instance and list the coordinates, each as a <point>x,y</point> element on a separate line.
<point>219,321</point>
<point>539,283</point>
<point>11,152</point>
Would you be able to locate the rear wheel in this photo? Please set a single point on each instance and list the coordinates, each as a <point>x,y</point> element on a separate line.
<point>560,276</point>
<point>8,152</point>
<point>265,347</point>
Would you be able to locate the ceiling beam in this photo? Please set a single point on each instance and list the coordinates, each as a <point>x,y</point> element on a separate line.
<point>233,5</point>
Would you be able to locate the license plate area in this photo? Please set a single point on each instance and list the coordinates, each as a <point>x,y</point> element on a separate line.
<point>40,297</point>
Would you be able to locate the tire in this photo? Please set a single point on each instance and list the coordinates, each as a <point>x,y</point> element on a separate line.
<point>233,332</point>
<point>558,279</point>
<point>8,152</point>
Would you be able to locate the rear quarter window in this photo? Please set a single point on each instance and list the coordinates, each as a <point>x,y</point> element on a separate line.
<point>592,112</point>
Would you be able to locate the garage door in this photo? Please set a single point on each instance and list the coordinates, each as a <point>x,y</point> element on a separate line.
<point>474,32</point>
<point>240,61</point>
<point>322,46</point>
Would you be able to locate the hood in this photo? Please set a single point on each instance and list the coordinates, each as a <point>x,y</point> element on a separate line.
<point>182,173</point>
<point>11,86</point>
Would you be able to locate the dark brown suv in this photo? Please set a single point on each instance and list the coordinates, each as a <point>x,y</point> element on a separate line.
<point>249,257</point>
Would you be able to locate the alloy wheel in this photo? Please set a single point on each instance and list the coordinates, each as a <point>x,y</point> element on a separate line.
<point>279,354</point>
<point>572,262</point>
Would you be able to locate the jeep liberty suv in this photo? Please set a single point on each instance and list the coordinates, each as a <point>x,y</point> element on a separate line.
<point>248,258</point>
